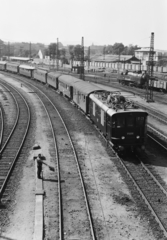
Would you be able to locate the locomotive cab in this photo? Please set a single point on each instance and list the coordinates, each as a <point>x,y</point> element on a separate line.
<point>127,128</point>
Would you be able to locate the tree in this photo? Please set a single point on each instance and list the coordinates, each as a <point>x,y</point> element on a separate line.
<point>118,48</point>
<point>71,52</point>
<point>53,51</point>
<point>63,56</point>
<point>78,52</point>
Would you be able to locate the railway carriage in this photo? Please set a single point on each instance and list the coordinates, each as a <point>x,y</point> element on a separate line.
<point>52,79</point>
<point>12,67</point>
<point>81,92</point>
<point>3,65</point>
<point>26,70</point>
<point>65,85</point>
<point>41,75</point>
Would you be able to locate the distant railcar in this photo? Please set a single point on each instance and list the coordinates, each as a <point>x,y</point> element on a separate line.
<point>52,79</point>
<point>41,75</point>
<point>26,70</point>
<point>3,65</point>
<point>12,67</point>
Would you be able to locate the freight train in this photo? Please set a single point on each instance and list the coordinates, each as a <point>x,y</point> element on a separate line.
<point>120,121</point>
<point>142,79</point>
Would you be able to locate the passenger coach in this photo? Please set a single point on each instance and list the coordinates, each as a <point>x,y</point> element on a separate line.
<point>41,75</point>
<point>26,70</point>
<point>3,65</point>
<point>12,67</point>
<point>65,85</point>
<point>52,79</point>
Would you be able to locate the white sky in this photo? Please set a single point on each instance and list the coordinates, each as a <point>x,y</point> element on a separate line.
<point>100,22</point>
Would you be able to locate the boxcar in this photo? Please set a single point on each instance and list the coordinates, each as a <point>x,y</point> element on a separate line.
<point>2,65</point>
<point>26,70</point>
<point>40,75</point>
<point>12,67</point>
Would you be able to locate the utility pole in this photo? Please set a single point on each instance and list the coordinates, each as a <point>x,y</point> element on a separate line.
<point>88,58</point>
<point>1,51</point>
<point>118,61</point>
<point>82,60</point>
<point>30,49</point>
<point>8,50</point>
<point>57,51</point>
<point>150,64</point>
<point>104,49</point>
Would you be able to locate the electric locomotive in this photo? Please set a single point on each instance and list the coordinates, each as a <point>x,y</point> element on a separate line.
<point>123,123</point>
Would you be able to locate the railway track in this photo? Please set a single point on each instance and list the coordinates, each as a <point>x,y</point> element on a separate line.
<point>88,223</point>
<point>65,150</point>
<point>14,141</point>
<point>145,183</point>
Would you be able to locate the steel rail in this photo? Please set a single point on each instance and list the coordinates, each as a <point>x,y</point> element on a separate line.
<point>20,147</point>
<point>58,168</point>
<point>16,121</point>
<point>78,166</point>
<point>2,126</point>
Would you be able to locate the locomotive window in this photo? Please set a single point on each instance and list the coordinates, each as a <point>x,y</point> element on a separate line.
<point>120,122</point>
<point>130,121</point>
<point>113,122</point>
<point>139,121</point>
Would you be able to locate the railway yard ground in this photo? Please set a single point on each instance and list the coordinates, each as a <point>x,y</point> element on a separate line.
<point>117,212</point>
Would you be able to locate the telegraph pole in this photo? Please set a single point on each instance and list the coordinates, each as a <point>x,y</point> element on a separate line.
<point>8,50</point>
<point>1,51</point>
<point>88,58</point>
<point>30,49</point>
<point>82,60</point>
<point>150,64</point>
<point>104,49</point>
<point>57,50</point>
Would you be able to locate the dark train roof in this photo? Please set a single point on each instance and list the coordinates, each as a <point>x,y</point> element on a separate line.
<point>68,79</point>
<point>86,88</point>
<point>82,86</point>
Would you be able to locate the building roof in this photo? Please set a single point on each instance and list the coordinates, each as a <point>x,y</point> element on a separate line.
<point>20,58</point>
<point>114,58</point>
<point>148,49</point>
